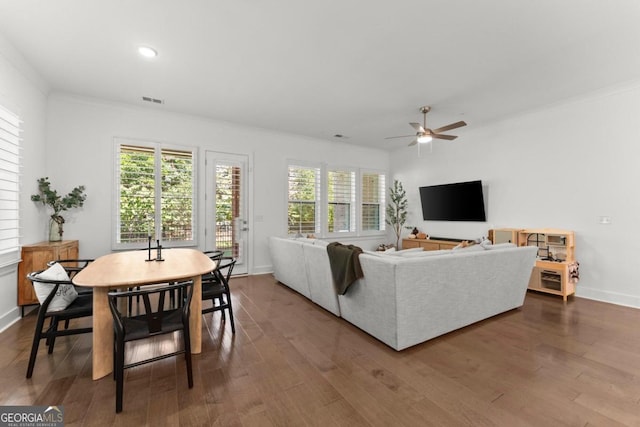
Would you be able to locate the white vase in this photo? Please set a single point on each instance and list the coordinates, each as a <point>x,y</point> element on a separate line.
<point>55,230</point>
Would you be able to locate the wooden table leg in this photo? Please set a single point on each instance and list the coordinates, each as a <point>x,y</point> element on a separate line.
<point>195,316</point>
<point>102,334</point>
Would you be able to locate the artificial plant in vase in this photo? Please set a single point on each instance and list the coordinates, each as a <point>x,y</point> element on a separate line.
<point>51,198</point>
<point>397,209</point>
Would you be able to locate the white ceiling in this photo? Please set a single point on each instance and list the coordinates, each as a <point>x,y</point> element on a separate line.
<point>360,68</point>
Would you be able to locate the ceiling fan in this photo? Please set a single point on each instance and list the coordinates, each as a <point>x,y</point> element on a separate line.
<point>424,134</point>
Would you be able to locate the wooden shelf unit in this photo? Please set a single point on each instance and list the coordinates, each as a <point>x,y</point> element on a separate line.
<point>429,244</point>
<point>35,257</point>
<point>504,235</point>
<point>556,251</point>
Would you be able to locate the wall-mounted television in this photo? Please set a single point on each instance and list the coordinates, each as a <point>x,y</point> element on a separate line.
<point>460,201</point>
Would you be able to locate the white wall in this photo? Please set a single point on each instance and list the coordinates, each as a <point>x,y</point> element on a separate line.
<point>80,136</point>
<point>23,92</point>
<point>560,167</point>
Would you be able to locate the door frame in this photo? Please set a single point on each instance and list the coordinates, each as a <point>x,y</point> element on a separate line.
<point>209,215</point>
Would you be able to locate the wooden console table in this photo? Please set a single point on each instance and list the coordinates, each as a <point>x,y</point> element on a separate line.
<point>430,244</point>
<point>34,258</point>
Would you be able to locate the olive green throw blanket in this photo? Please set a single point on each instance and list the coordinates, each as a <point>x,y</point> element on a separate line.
<point>345,265</point>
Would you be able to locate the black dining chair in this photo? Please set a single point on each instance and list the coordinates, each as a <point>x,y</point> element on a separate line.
<point>157,318</point>
<point>215,287</point>
<point>82,306</point>
<point>73,267</point>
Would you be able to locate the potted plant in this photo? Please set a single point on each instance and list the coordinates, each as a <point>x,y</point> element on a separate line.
<point>47,196</point>
<point>397,209</point>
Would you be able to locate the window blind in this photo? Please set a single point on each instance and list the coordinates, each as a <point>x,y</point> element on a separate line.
<point>9,181</point>
<point>373,197</point>
<point>303,216</point>
<point>155,194</point>
<point>341,192</point>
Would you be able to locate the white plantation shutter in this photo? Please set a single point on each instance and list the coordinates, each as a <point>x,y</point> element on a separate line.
<point>373,198</point>
<point>341,197</point>
<point>177,195</point>
<point>9,182</point>
<point>155,195</point>
<point>303,213</point>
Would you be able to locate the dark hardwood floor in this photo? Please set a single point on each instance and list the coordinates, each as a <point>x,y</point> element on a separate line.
<point>292,363</point>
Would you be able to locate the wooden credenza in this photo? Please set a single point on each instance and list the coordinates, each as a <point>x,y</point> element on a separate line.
<point>429,244</point>
<point>35,257</point>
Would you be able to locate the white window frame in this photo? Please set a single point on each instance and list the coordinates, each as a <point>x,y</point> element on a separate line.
<point>318,190</point>
<point>353,204</point>
<point>156,233</point>
<point>322,219</point>
<point>382,201</point>
<point>10,170</point>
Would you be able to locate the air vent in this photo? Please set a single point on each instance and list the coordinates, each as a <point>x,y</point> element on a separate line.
<point>154,100</point>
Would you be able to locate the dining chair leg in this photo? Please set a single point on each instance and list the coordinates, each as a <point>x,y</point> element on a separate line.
<point>119,373</point>
<point>233,325</point>
<point>52,334</point>
<point>221,302</point>
<point>187,354</point>
<point>34,347</point>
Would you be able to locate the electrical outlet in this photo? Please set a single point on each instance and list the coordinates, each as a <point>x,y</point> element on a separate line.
<point>606,220</point>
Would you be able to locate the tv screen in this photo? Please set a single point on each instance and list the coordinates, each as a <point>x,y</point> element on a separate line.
<point>462,201</point>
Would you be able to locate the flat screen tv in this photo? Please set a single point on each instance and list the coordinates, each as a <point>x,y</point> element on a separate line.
<point>461,201</point>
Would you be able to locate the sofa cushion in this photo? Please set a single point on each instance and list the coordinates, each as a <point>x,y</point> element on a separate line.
<point>403,252</point>
<point>426,253</point>
<point>500,246</point>
<point>472,248</point>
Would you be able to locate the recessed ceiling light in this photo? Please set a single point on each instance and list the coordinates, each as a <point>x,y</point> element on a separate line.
<point>147,52</point>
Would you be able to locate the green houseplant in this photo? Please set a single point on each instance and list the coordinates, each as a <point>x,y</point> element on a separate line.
<point>58,203</point>
<point>397,209</point>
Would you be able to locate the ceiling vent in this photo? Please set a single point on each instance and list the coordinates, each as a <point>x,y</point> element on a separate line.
<point>154,100</point>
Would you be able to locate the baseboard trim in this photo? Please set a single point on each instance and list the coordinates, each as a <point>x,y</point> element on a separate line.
<point>9,318</point>
<point>262,269</point>
<point>610,297</point>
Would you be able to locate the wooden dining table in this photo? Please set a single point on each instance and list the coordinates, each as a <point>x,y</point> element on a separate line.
<point>130,269</point>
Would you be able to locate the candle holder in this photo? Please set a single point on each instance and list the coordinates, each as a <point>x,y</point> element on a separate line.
<point>159,251</point>
<point>149,251</point>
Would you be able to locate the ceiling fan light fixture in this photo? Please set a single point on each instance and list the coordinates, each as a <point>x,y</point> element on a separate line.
<point>423,139</point>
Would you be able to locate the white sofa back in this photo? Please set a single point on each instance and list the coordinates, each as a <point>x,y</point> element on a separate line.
<point>287,256</point>
<point>404,301</point>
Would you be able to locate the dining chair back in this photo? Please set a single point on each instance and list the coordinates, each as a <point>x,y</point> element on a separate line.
<point>81,306</point>
<point>215,287</point>
<point>157,317</point>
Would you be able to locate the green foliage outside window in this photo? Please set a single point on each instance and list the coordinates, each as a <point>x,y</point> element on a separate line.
<point>138,194</point>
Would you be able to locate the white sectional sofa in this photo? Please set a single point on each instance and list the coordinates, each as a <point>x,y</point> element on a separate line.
<point>303,265</point>
<point>410,297</point>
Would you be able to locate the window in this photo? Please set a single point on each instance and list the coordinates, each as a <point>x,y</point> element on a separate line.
<point>155,195</point>
<point>9,185</point>
<point>373,197</point>
<point>304,195</point>
<point>341,194</point>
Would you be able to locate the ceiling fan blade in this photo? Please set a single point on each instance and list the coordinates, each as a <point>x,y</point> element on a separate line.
<point>418,127</point>
<point>401,136</point>
<point>447,137</point>
<point>414,142</point>
<point>455,125</point>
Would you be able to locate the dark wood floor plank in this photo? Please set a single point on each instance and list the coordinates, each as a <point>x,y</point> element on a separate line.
<point>293,363</point>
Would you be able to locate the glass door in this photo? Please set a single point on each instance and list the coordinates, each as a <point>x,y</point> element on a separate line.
<point>226,206</point>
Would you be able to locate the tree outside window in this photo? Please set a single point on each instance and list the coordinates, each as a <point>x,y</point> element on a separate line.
<point>155,202</point>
